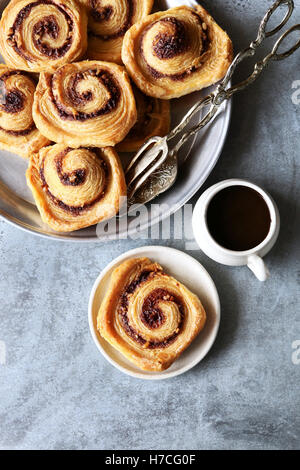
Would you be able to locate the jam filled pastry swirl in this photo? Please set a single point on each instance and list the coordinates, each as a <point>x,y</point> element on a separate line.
<point>149,316</point>
<point>87,103</point>
<point>108,21</point>
<point>76,188</point>
<point>38,35</point>
<point>18,132</point>
<point>176,52</point>
<point>153,119</point>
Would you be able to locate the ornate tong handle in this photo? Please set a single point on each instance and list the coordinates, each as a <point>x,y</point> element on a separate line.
<point>221,94</point>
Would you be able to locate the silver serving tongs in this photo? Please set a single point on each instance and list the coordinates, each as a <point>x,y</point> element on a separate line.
<point>156,154</point>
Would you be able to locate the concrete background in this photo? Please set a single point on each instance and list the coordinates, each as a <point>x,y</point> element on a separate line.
<point>57,392</point>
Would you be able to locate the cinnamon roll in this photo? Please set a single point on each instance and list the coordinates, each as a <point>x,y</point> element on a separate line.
<point>149,316</point>
<point>108,21</point>
<point>76,188</point>
<point>85,104</point>
<point>38,35</point>
<point>153,119</point>
<point>175,52</point>
<point>18,132</point>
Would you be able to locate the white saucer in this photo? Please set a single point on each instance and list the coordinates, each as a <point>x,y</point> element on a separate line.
<point>191,273</point>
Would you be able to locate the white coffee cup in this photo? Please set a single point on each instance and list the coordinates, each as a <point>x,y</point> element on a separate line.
<point>253,257</point>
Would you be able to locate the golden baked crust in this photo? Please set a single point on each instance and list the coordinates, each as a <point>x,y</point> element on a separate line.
<point>107,24</point>
<point>87,103</point>
<point>76,188</point>
<point>18,132</point>
<point>153,119</point>
<point>39,35</point>
<point>175,52</point>
<point>149,316</point>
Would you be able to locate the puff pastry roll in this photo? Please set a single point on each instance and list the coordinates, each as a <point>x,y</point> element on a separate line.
<point>76,188</point>
<point>153,119</point>
<point>18,132</point>
<point>108,21</point>
<point>175,52</point>
<point>149,316</point>
<point>43,34</point>
<point>87,103</point>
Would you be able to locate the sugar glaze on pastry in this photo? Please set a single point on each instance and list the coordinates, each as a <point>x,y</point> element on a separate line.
<point>108,21</point>
<point>18,132</point>
<point>175,52</point>
<point>76,188</point>
<point>89,103</point>
<point>37,35</point>
<point>149,316</point>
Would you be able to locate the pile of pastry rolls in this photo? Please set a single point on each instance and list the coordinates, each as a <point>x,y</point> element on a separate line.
<point>85,79</point>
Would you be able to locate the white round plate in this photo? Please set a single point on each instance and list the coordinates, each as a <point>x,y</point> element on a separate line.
<point>17,204</point>
<point>188,271</point>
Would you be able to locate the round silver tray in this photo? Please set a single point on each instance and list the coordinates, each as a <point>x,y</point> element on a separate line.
<point>17,205</point>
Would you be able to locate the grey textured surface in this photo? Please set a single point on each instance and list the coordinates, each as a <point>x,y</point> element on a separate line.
<point>57,392</point>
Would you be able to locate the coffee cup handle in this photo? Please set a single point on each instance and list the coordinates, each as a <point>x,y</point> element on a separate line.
<point>258,267</point>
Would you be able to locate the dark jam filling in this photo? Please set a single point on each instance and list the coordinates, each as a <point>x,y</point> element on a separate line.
<point>100,14</point>
<point>167,46</point>
<point>20,133</point>
<point>146,108</point>
<point>47,26</point>
<point>77,98</point>
<point>151,314</point>
<point>73,178</point>
<point>13,101</point>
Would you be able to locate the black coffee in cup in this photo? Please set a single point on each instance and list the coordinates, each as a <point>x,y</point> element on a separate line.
<point>238,218</point>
